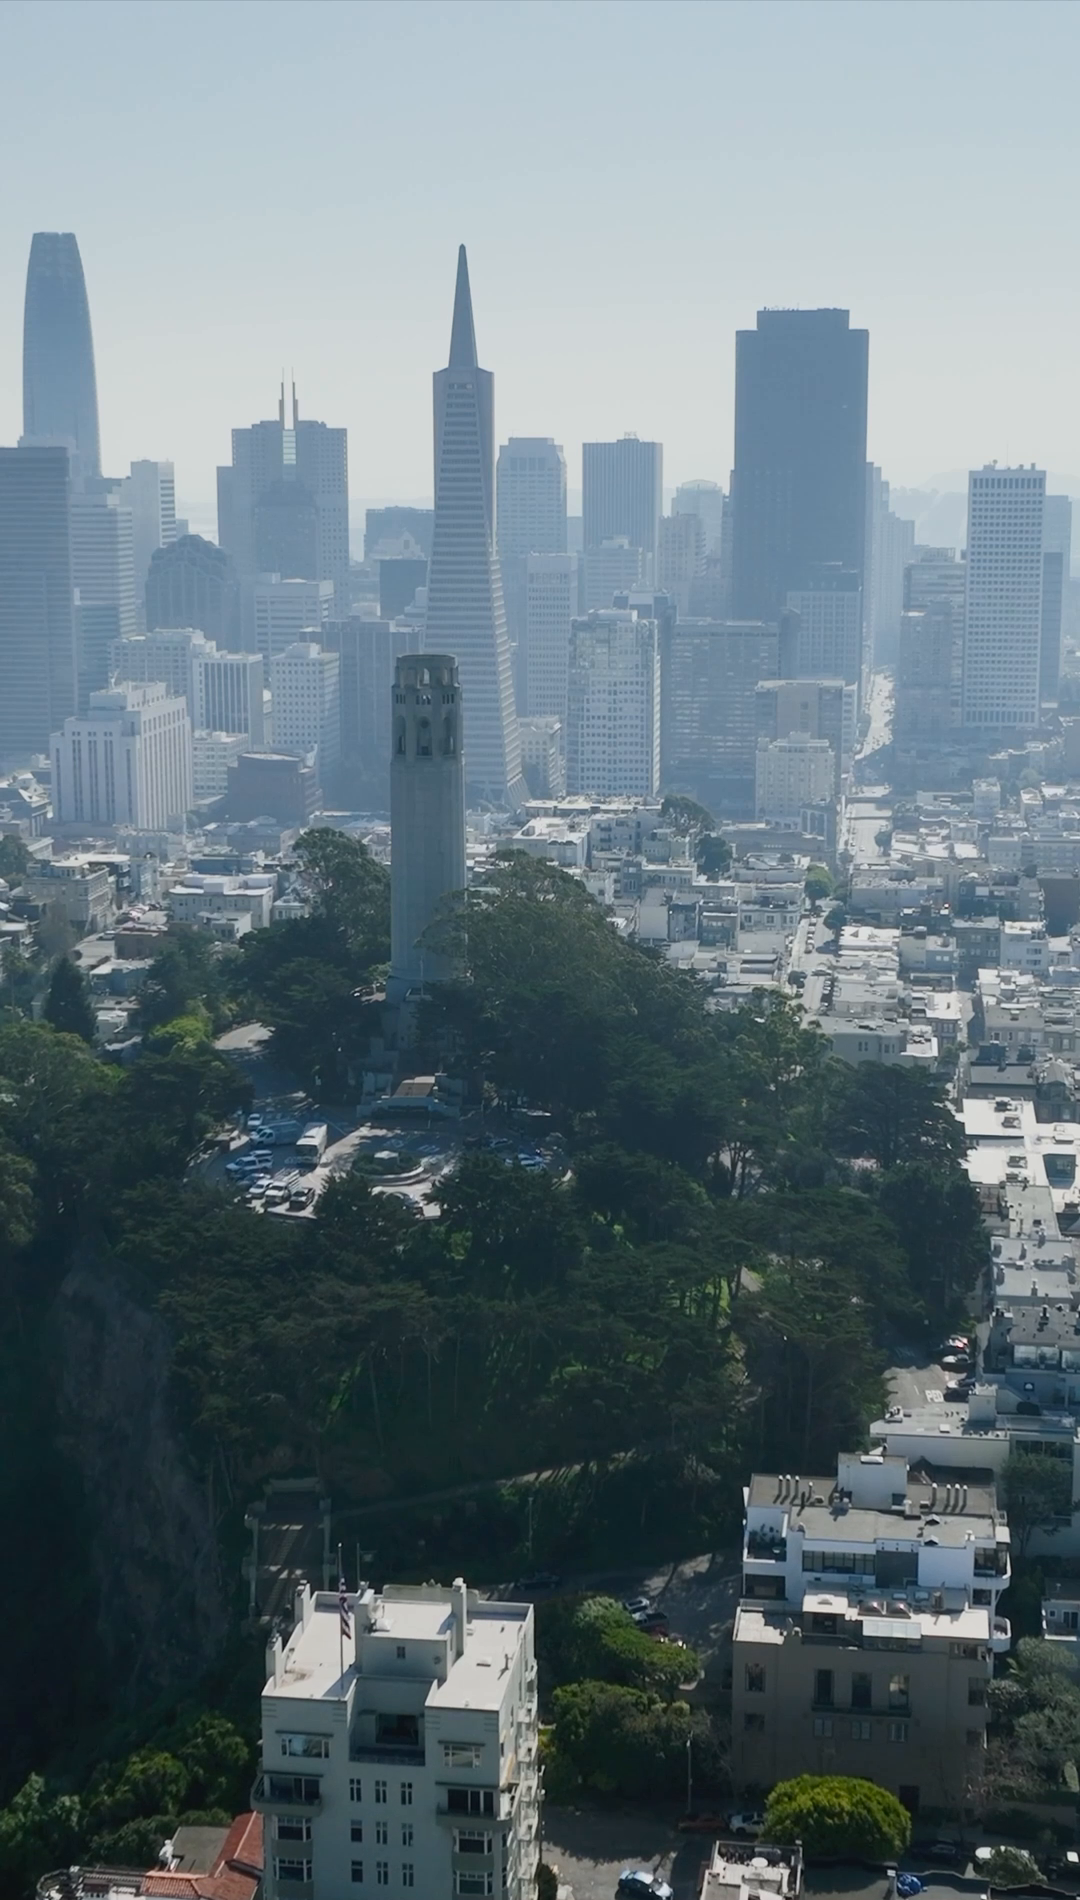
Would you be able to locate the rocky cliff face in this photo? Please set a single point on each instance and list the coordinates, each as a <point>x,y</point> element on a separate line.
<point>163,1611</point>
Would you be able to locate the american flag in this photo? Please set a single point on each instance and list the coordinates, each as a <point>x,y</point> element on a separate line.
<point>343,1608</point>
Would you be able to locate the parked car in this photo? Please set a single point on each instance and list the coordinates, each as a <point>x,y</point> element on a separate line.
<point>651,1620</point>
<point>959,1389</point>
<point>245,1164</point>
<point>264,1155</point>
<point>747,1824</point>
<point>276,1195</point>
<point>540,1580</point>
<point>641,1884</point>
<point>258,1187</point>
<point>954,1362</point>
<point>945,1852</point>
<point>301,1197</point>
<point>637,1606</point>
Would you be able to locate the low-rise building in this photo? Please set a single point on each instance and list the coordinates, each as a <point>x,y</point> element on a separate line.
<point>757,1872</point>
<point>200,898</point>
<point>865,1637</point>
<point>399,1746</point>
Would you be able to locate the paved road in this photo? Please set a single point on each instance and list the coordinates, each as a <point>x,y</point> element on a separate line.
<point>590,1849</point>
<point>879,705</point>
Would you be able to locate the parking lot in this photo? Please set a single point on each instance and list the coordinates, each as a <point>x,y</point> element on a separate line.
<point>589,1850</point>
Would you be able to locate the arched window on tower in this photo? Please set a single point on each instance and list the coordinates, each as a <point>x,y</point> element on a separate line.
<point>423,738</point>
<point>399,738</point>
<point>449,737</point>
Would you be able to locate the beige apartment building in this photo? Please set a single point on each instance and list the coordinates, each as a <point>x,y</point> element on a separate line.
<point>865,1638</point>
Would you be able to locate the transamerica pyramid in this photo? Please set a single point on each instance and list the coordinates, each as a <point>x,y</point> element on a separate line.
<point>465,614</point>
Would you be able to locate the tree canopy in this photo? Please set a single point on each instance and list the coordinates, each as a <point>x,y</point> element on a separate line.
<point>67,1005</point>
<point>838,1815</point>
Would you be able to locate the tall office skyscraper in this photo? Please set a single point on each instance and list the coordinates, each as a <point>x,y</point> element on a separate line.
<point>427,813</point>
<point>623,493</point>
<point>125,761</point>
<point>368,651</point>
<point>680,557</point>
<point>465,612</point>
<point>551,603</point>
<point>37,628</point>
<point>1003,624</point>
<point>706,500</point>
<point>193,583</point>
<point>283,504</point>
<point>889,542</point>
<point>59,384</point>
<point>613,712</point>
<point>530,518</point>
<point>103,571</point>
<point>711,674</point>
<point>800,454</point>
<point>828,640</point>
<point>306,696</point>
<point>1057,553</point>
<point>150,492</point>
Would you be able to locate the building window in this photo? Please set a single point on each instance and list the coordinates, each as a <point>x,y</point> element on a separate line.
<point>898,1731</point>
<point>356,1832</point>
<point>899,1691</point>
<point>380,1793</point>
<point>474,1883</point>
<point>382,1873</point>
<point>862,1690</point>
<point>358,1873</point>
<point>976,1692</point>
<point>468,1842</point>
<point>382,1833</point>
<point>291,1870</point>
<point>755,1679</point>
<point>356,1792</point>
<point>461,1754</point>
<point>754,1724</point>
<point>862,1730</point>
<point>407,1873</point>
<point>823,1725</point>
<point>406,1833</point>
<point>292,1827</point>
<point>406,1794</point>
<point>470,1800</point>
<point>1070,1619</point>
<point>308,1747</point>
<point>823,1688</point>
<point>401,1652</point>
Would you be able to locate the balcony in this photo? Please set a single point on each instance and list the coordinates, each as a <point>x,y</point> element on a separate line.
<point>388,1755</point>
<point>294,1889</point>
<point>286,1794</point>
<point>766,1546</point>
<point>1001,1636</point>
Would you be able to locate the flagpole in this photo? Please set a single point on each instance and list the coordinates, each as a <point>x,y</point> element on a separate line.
<point>341,1618</point>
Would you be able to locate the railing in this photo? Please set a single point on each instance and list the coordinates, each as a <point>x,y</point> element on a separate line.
<point>83,1883</point>
<point>389,1756</point>
<point>287,1791</point>
<point>761,1544</point>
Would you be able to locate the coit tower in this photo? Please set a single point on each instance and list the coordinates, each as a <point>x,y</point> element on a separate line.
<point>427,819</point>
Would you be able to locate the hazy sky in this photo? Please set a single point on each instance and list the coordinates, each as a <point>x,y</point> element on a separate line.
<point>264,183</point>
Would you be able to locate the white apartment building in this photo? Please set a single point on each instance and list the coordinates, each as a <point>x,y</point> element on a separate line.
<point>286,610</point>
<point>790,773</point>
<point>229,693</point>
<point>551,603</point>
<point>613,720</point>
<point>400,1753</point>
<point>204,896</point>
<point>212,753</point>
<point>306,697</point>
<point>127,762</point>
<point>1003,623</point>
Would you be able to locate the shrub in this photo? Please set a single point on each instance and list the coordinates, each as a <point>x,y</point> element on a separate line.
<point>838,1815</point>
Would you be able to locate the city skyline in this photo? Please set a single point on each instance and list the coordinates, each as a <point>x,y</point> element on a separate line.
<point>955,379</point>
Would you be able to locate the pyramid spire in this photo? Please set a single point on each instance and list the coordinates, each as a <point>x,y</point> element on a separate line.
<point>462,333</point>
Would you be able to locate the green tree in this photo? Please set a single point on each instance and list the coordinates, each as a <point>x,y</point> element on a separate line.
<point>547,1882</point>
<point>38,1832</point>
<point>185,974</point>
<point>68,1006</point>
<point>14,859</point>
<point>838,1815</point>
<point>625,1742</point>
<point>835,919</point>
<point>935,1212</point>
<point>1037,1487</point>
<point>1010,1867</point>
<point>819,884</point>
<point>713,855</point>
<point>685,815</point>
<point>893,1114</point>
<point>595,1639</point>
<point>1035,1708</point>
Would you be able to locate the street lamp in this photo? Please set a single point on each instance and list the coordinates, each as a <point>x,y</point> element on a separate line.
<point>689,1774</point>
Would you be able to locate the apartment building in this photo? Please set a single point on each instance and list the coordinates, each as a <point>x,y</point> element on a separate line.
<point>867,1629</point>
<point>399,1747</point>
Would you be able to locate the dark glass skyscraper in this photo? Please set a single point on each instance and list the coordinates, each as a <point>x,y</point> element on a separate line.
<point>800,454</point>
<point>59,385</point>
<point>37,630</point>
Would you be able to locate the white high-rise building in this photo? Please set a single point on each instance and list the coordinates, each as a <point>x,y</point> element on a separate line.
<point>150,492</point>
<point>706,500</point>
<point>401,1755</point>
<point>615,567</point>
<point>168,655</point>
<point>551,603</point>
<point>103,573</point>
<point>306,698</point>
<point>790,773</point>
<point>126,761</point>
<point>680,556</point>
<point>229,693</point>
<point>286,610</point>
<point>622,488</point>
<point>530,489</point>
<point>613,715</point>
<point>466,616</point>
<point>1003,618</point>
